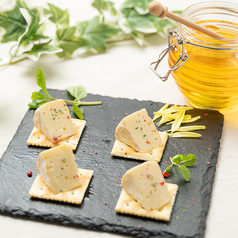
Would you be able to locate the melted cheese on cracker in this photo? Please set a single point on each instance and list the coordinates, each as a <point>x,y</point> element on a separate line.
<point>138,131</point>
<point>57,169</point>
<point>145,183</point>
<point>54,120</point>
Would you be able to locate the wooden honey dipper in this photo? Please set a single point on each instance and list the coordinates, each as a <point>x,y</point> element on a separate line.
<point>161,11</point>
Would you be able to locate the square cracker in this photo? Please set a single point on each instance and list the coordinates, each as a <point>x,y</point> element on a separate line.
<point>40,190</point>
<point>122,150</point>
<point>37,138</point>
<point>127,205</point>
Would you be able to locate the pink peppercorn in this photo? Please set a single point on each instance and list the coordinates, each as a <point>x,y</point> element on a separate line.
<point>29,173</point>
<point>166,174</point>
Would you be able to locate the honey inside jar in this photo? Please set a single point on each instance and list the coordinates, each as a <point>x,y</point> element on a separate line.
<point>209,78</point>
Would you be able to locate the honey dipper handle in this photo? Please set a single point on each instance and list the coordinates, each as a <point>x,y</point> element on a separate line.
<point>161,11</point>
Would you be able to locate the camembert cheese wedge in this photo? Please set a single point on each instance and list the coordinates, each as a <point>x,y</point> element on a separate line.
<point>53,119</point>
<point>145,183</point>
<point>58,170</point>
<point>138,131</point>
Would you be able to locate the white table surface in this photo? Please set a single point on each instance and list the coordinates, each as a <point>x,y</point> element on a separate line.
<point>122,71</point>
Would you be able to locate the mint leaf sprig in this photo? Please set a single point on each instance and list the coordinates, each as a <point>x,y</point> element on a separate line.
<point>78,92</point>
<point>187,161</point>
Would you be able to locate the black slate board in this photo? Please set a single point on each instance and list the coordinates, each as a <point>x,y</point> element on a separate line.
<point>193,199</point>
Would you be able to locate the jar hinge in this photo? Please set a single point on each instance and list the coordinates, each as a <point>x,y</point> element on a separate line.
<point>183,56</point>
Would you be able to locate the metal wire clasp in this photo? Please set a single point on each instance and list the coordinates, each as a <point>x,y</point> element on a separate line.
<point>172,46</point>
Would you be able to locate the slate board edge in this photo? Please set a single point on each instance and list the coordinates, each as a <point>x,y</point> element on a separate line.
<point>206,177</point>
<point>102,226</point>
<point>16,212</point>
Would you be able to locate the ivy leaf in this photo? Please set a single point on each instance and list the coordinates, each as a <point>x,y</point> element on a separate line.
<point>140,5</point>
<point>137,25</point>
<point>135,21</point>
<point>184,171</point>
<point>139,38</point>
<point>78,92</point>
<point>68,41</point>
<point>189,160</point>
<point>27,26</point>
<point>102,6</point>
<point>58,16</point>
<point>163,25</point>
<point>13,22</point>
<point>40,78</point>
<point>32,32</point>
<point>39,49</point>
<point>96,34</point>
<point>32,35</point>
<point>77,111</point>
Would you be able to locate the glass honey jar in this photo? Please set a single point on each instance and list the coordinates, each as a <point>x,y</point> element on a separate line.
<point>206,68</point>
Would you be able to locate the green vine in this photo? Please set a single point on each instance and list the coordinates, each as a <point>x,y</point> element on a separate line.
<point>26,27</point>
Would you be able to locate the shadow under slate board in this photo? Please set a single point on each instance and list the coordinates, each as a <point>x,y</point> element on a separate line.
<point>188,218</point>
